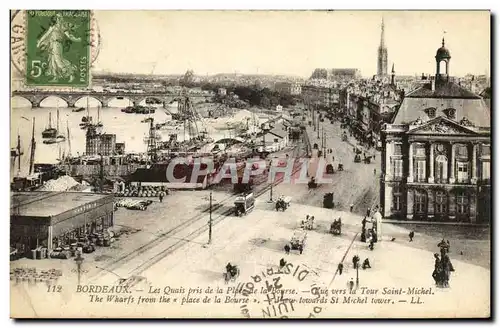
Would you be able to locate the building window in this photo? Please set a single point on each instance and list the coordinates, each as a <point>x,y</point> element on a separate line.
<point>462,171</point>
<point>420,168</point>
<point>441,202</point>
<point>420,202</point>
<point>462,203</point>
<point>396,199</point>
<point>397,168</point>
<point>398,149</point>
<point>441,169</point>
<point>420,151</point>
<point>461,151</point>
<point>485,171</point>
<point>485,150</point>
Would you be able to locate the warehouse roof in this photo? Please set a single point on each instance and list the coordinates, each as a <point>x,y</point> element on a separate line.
<point>49,203</point>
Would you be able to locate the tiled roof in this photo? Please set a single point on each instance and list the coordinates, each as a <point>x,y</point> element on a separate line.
<point>442,90</point>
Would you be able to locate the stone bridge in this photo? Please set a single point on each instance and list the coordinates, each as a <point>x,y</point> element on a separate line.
<point>71,97</point>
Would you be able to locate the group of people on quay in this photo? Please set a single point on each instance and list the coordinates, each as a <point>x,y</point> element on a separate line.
<point>442,265</point>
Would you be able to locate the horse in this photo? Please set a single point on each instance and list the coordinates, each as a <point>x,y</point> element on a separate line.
<point>231,274</point>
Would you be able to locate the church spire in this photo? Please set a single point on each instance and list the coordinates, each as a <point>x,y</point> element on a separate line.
<point>382,35</point>
<point>382,53</point>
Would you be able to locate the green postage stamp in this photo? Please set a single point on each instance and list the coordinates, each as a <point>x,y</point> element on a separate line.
<point>58,48</point>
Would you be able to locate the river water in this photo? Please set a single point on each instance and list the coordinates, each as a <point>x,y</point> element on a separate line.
<point>127,127</point>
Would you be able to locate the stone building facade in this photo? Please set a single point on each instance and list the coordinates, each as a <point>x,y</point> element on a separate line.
<point>436,155</point>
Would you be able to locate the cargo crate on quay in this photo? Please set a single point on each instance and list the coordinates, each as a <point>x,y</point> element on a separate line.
<point>48,221</point>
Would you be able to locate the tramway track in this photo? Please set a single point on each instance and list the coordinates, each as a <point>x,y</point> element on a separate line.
<point>220,216</point>
<point>113,265</point>
<point>199,231</point>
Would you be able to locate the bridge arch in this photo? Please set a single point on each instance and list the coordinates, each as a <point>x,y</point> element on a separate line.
<point>53,101</point>
<point>129,101</point>
<point>20,102</point>
<point>82,102</point>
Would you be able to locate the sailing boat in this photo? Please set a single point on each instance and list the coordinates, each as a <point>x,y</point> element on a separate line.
<point>86,120</point>
<point>99,123</point>
<point>60,137</point>
<point>17,153</point>
<point>56,138</point>
<point>49,132</point>
<point>33,148</point>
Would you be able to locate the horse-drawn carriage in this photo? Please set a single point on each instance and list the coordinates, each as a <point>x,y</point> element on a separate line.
<point>357,158</point>
<point>283,203</point>
<point>297,242</point>
<point>344,136</point>
<point>232,272</point>
<point>367,159</point>
<point>336,227</point>
<point>308,223</point>
<point>329,169</point>
<point>244,204</point>
<point>340,167</point>
<point>312,183</point>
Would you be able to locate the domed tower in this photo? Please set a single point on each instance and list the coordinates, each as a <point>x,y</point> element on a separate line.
<point>442,55</point>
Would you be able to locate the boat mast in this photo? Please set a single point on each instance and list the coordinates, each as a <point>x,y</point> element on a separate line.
<point>57,123</point>
<point>33,147</point>
<point>50,120</point>
<point>19,154</point>
<point>88,114</point>
<point>69,139</point>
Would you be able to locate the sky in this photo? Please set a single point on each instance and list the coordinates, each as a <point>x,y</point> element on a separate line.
<point>289,42</point>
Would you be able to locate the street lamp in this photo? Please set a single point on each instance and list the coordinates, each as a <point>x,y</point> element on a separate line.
<point>210,223</point>
<point>357,275</point>
<point>79,260</point>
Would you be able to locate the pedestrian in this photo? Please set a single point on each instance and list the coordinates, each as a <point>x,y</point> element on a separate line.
<point>287,249</point>
<point>351,285</point>
<point>161,197</point>
<point>372,244</point>
<point>355,260</point>
<point>374,171</point>
<point>301,249</point>
<point>340,268</point>
<point>411,235</point>
<point>352,207</point>
<point>368,212</point>
<point>366,264</point>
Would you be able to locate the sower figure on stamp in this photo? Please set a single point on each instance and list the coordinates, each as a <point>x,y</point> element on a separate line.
<point>52,43</point>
